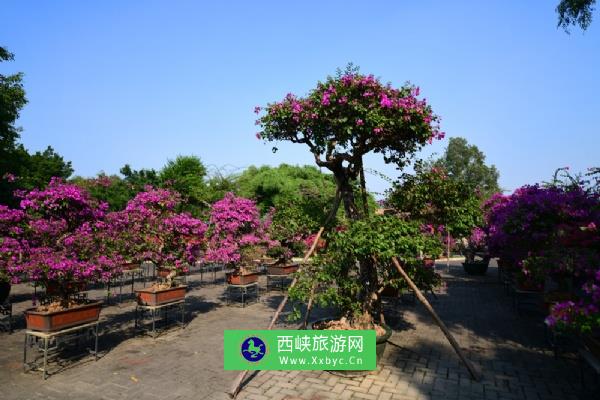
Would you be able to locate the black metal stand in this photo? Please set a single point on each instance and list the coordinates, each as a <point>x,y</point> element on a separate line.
<point>50,343</point>
<point>242,293</point>
<point>153,313</point>
<point>6,315</point>
<point>278,282</point>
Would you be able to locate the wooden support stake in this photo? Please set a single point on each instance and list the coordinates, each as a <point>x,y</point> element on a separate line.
<point>237,384</point>
<point>308,307</point>
<point>470,367</point>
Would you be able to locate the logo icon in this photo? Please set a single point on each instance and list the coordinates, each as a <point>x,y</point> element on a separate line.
<point>253,349</point>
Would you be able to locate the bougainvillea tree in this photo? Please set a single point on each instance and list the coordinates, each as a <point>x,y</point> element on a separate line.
<point>46,240</point>
<point>235,228</point>
<point>348,116</point>
<point>343,119</point>
<point>149,228</point>
<point>550,233</point>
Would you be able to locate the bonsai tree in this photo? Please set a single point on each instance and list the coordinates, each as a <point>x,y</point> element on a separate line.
<point>474,245</point>
<point>150,229</point>
<point>51,240</point>
<point>236,233</point>
<point>340,121</point>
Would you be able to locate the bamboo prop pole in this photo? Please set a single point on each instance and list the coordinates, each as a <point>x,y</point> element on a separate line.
<point>447,250</point>
<point>470,367</point>
<point>308,307</point>
<point>237,384</point>
<point>332,213</point>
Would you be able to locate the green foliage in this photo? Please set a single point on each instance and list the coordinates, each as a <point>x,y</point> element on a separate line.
<point>110,189</point>
<point>302,197</point>
<point>342,276</point>
<point>12,100</point>
<point>186,176</point>
<point>575,12</point>
<point>20,170</point>
<point>138,179</point>
<point>432,197</point>
<point>466,164</point>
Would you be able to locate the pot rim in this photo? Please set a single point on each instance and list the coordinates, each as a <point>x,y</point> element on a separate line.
<point>378,339</point>
<point>93,304</point>
<point>147,290</point>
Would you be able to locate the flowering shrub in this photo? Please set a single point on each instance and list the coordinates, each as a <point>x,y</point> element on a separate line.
<point>582,315</point>
<point>475,244</point>
<point>62,238</point>
<point>551,233</point>
<point>236,228</point>
<point>49,238</point>
<point>150,229</point>
<point>535,220</point>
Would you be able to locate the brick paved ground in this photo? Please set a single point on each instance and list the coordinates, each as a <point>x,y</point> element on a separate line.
<point>418,362</point>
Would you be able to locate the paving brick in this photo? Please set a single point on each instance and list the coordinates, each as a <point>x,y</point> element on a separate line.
<point>188,364</point>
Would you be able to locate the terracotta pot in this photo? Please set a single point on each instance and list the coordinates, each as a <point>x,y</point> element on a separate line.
<point>380,343</point>
<point>428,262</point>
<point>4,291</point>
<point>131,265</point>
<point>235,278</point>
<point>57,320</point>
<point>149,297</point>
<point>162,272</point>
<point>282,269</point>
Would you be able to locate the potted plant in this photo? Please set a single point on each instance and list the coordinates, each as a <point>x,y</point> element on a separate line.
<point>475,251</point>
<point>60,249</point>
<point>245,271</point>
<point>283,264</point>
<point>168,290</point>
<point>11,246</point>
<point>237,237</point>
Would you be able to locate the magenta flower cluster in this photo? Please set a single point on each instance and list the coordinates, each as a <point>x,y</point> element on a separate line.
<point>551,232</point>
<point>235,224</point>
<point>61,236</point>
<point>353,103</point>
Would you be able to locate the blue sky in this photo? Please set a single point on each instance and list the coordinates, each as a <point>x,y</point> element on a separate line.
<point>138,82</point>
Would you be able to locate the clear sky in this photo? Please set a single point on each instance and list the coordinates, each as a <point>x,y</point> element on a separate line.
<point>138,82</point>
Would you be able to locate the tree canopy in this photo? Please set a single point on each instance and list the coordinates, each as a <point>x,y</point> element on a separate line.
<point>348,116</point>
<point>575,12</point>
<point>20,170</point>
<point>465,163</point>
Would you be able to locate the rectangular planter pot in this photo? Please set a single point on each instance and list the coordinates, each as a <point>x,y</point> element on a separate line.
<point>234,278</point>
<point>57,320</point>
<point>282,269</point>
<point>131,265</point>
<point>149,297</point>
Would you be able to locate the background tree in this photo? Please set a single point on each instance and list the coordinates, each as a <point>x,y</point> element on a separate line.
<point>575,12</point>
<point>433,198</point>
<point>186,176</point>
<point>465,163</point>
<point>18,168</point>
<point>138,179</point>
<point>302,197</point>
<point>110,189</point>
